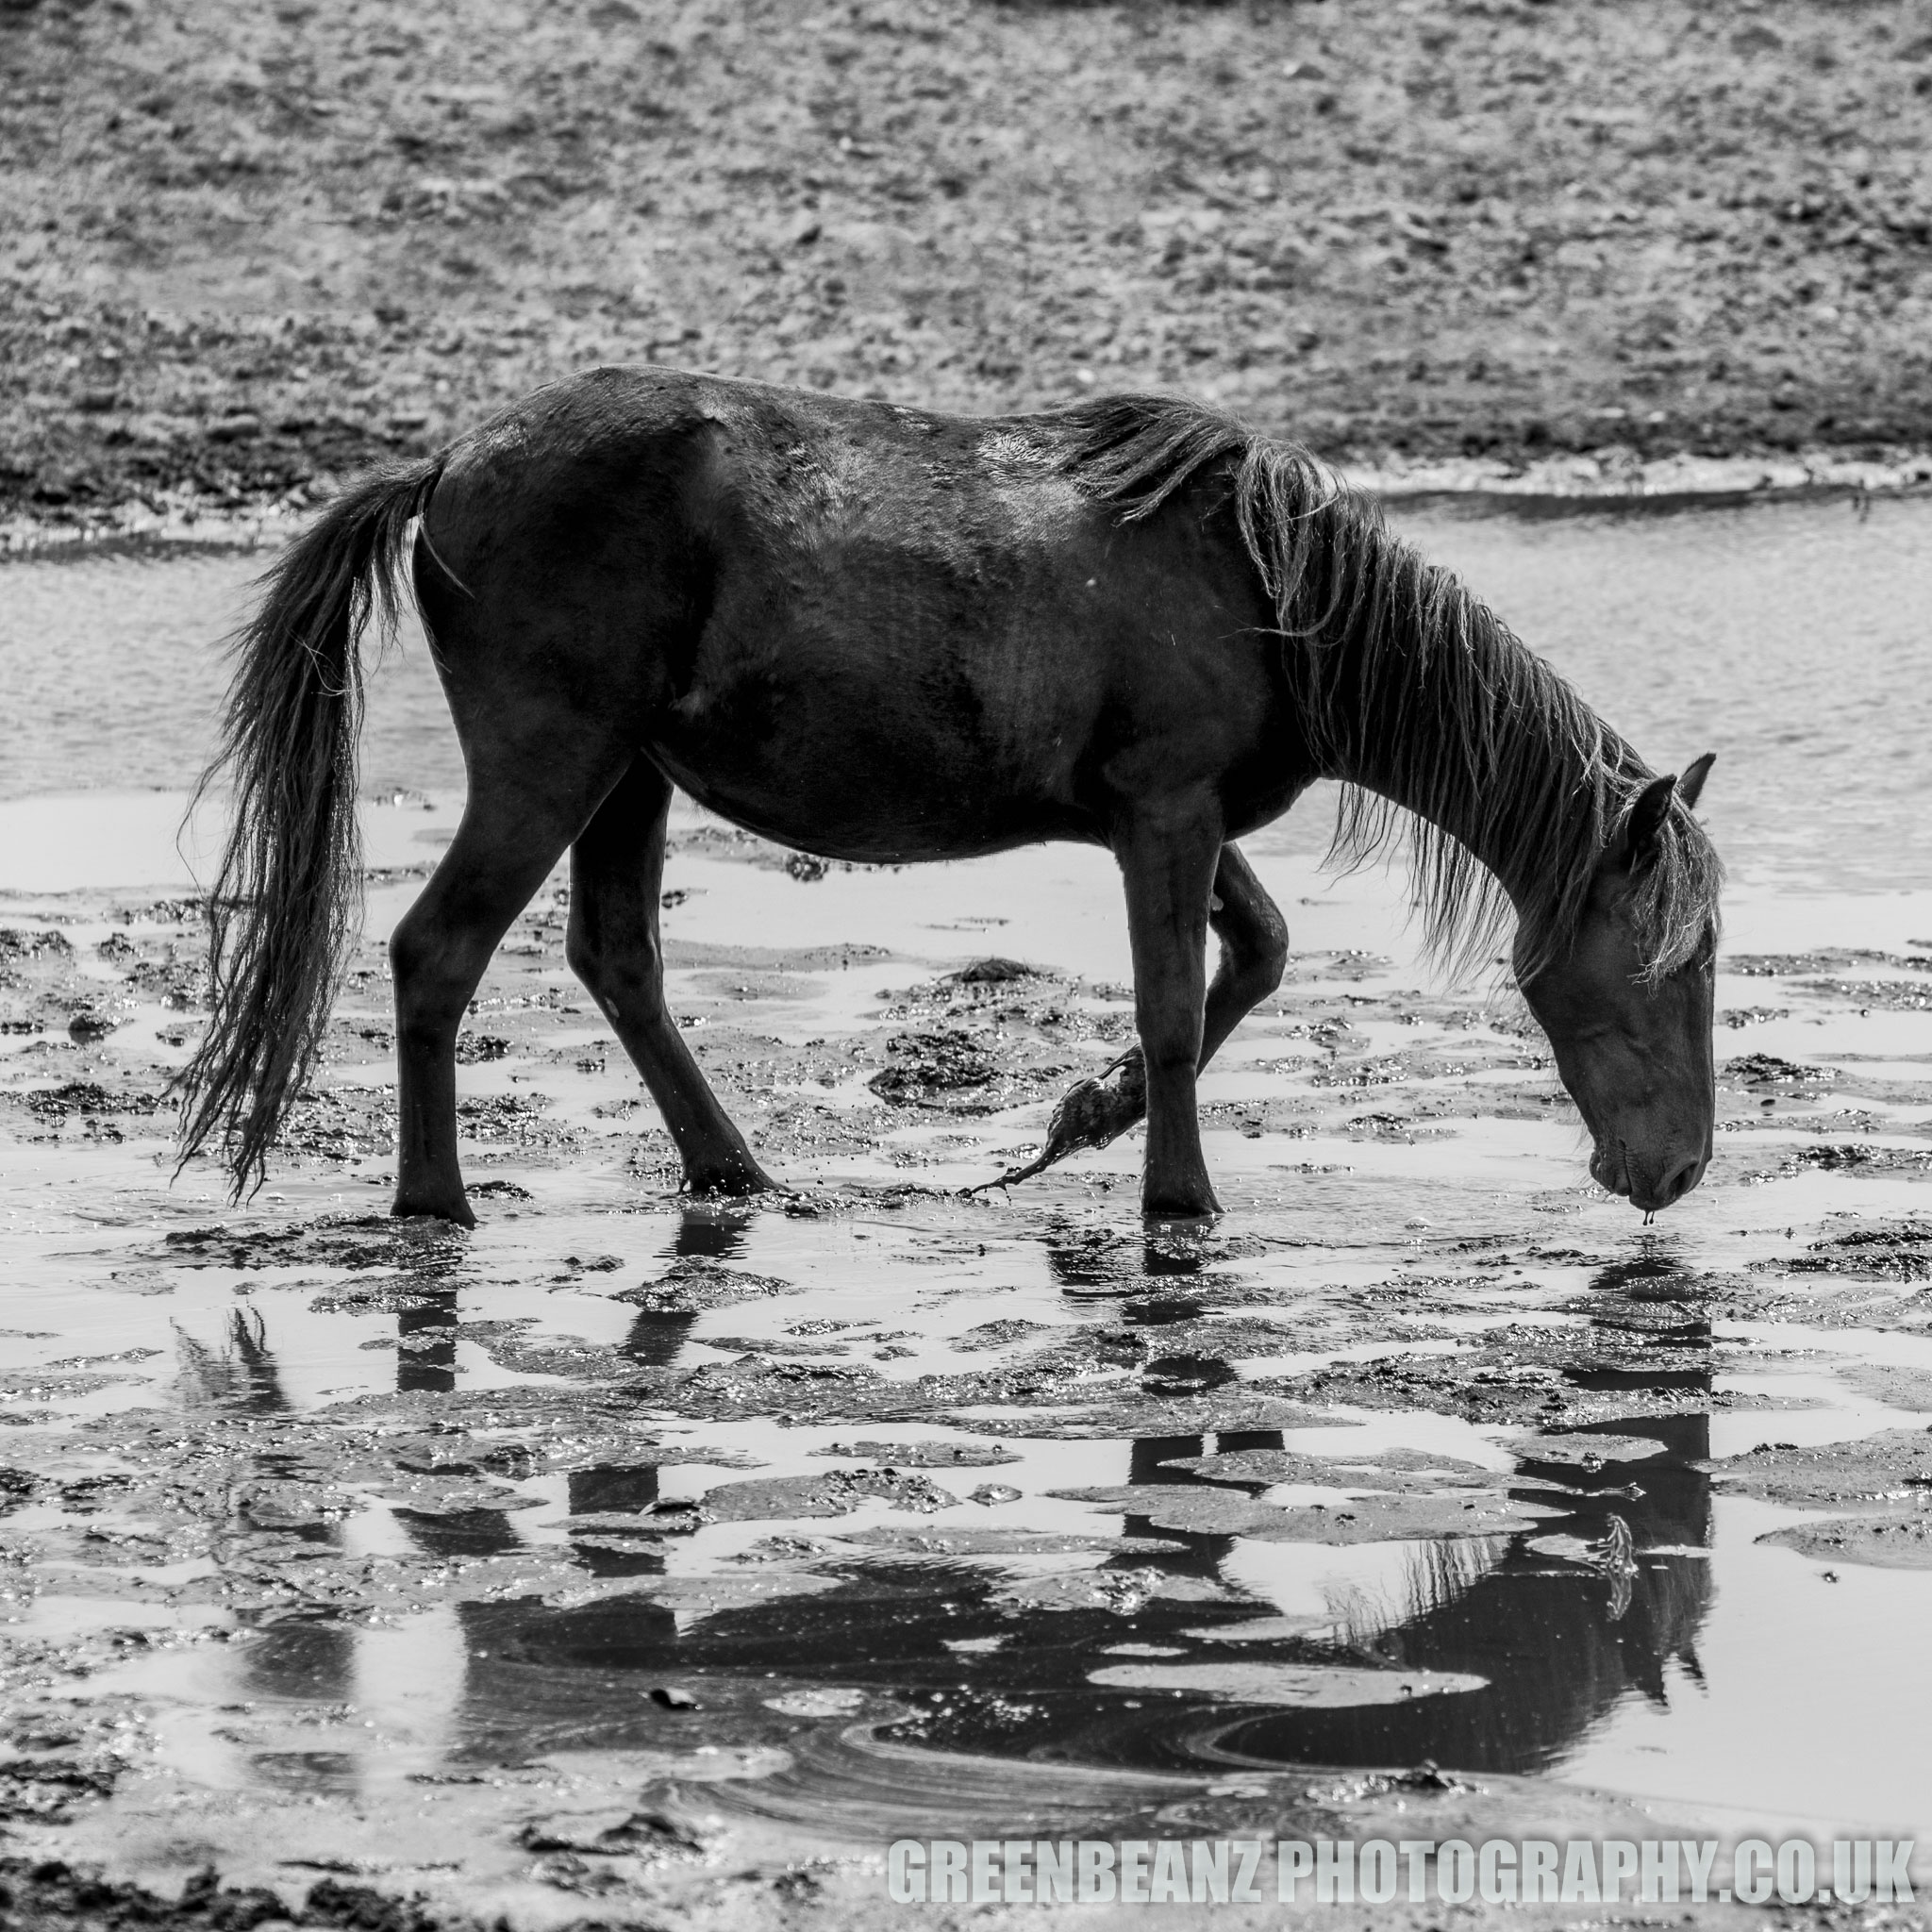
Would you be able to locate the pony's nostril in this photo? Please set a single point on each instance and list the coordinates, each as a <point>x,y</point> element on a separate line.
<point>1683,1179</point>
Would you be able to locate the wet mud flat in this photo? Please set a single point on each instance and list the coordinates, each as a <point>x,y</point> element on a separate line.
<point>635,1560</point>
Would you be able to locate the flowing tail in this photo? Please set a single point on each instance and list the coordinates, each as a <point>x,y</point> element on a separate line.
<point>284,909</point>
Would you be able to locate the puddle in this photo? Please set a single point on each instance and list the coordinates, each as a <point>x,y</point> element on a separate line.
<point>334,1545</point>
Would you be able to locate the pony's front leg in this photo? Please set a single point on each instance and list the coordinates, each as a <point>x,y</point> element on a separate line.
<point>1168,850</point>
<point>1254,956</point>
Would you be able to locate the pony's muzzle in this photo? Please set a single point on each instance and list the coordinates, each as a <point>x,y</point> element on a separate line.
<point>1672,1183</point>
<point>1683,1178</point>
<point>1609,1166</point>
<point>1612,1166</point>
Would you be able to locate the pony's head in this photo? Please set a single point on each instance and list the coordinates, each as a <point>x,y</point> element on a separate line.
<point>1632,1036</point>
<point>1441,723</point>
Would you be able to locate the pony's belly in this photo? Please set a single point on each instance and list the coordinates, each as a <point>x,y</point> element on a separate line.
<point>852,811</point>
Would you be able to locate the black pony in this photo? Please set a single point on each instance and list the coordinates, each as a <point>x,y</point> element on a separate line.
<point>885,635</point>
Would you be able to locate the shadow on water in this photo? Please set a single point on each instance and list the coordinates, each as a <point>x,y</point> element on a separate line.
<point>426,1343</point>
<point>1561,1643</point>
<point>241,1377</point>
<point>1094,1261</point>
<point>711,1231</point>
<point>426,1331</point>
<point>1562,1638</point>
<point>1564,1623</point>
<point>706,1232</point>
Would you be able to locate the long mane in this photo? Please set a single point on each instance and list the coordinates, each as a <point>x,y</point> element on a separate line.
<point>1451,729</point>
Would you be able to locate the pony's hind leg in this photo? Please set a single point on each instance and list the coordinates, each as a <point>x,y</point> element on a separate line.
<point>1254,956</point>
<point>617,866</point>
<point>510,837</point>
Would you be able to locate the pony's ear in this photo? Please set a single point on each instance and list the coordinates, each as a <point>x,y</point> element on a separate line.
<point>1637,841</point>
<point>1691,786</point>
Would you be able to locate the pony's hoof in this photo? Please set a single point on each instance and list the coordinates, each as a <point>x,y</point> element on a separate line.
<point>735,1183</point>
<point>408,1208</point>
<point>1179,1204</point>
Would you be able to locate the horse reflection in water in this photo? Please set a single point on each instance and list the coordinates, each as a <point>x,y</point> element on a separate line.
<point>1560,1645</point>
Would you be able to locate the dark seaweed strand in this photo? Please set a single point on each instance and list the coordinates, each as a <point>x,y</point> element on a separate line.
<point>284,909</point>
<point>1451,729</point>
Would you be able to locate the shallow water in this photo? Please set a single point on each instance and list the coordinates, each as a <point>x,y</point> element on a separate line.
<point>1789,637</point>
<point>336,1542</point>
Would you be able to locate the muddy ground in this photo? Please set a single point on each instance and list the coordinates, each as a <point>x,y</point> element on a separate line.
<point>245,251</point>
<point>632,1560</point>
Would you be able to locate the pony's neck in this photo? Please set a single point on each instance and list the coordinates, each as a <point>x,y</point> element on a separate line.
<point>1505,784</point>
<point>1419,698</point>
<point>1404,685</point>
